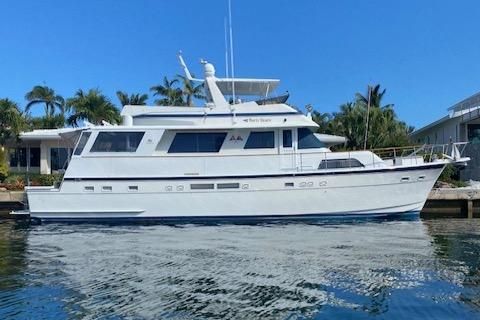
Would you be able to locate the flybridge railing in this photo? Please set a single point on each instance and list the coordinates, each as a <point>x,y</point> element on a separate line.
<point>429,152</point>
<point>381,157</point>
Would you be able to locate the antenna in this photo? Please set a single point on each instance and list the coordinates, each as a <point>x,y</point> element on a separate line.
<point>231,49</point>
<point>226,46</point>
<point>368,117</point>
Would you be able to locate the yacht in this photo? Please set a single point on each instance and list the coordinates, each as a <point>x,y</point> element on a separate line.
<point>230,159</point>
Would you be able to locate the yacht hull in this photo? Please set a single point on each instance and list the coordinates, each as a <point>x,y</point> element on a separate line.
<point>363,192</point>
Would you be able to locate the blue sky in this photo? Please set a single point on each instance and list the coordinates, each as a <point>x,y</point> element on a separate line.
<point>426,53</point>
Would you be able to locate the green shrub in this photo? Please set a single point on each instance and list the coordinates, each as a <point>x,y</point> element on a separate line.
<point>451,175</point>
<point>3,164</point>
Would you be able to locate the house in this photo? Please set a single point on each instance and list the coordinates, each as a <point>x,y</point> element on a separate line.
<point>42,151</point>
<point>462,123</point>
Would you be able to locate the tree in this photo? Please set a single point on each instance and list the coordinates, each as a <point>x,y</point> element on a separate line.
<point>136,99</point>
<point>11,121</point>
<point>48,97</point>
<point>384,128</point>
<point>171,95</point>
<point>51,122</point>
<point>191,90</point>
<point>92,106</point>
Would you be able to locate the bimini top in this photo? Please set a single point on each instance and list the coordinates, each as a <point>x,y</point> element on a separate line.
<point>247,87</point>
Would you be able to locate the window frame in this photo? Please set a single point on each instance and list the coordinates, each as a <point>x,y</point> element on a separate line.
<point>100,133</point>
<point>84,133</point>
<point>288,138</point>
<point>196,135</point>
<point>357,162</point>
<point>310,134</point>
<point>247,147</point>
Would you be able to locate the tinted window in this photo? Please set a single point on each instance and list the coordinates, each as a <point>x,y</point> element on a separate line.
<point>260,140</point>
<point>307,140</point>
<point>81,143</point>
<point>18,157</point>
<point>59,158</point>
<point>340,163</point>
<point>117,142</point>
<point>287,138</point>
<point>34,157</point>
<point>197,142</point>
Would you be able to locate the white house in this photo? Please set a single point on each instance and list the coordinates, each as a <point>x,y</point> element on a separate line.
<point>42,151</point>
<point>462,123</point>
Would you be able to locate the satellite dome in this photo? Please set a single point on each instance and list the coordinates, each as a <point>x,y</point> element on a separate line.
<point>209,70</point>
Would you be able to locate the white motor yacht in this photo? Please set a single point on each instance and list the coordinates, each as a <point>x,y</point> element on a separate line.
<point>230,159</point>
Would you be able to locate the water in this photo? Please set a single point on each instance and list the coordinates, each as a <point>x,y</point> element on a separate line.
<point>364,269</point>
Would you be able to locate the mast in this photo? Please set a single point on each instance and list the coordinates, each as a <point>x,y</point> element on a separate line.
<point>231,49</point>
<point>226,47</point>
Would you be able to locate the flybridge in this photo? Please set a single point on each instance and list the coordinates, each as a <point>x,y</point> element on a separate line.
<point>218,88</point>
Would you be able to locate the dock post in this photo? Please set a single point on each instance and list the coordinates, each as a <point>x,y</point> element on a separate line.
<point>470,209</point>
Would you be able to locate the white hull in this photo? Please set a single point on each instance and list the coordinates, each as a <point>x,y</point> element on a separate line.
<point>382,191</point>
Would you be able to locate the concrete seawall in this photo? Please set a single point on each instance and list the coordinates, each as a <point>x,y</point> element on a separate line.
<point>455,203</point>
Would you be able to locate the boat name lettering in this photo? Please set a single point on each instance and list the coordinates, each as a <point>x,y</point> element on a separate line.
<point>258,120</point>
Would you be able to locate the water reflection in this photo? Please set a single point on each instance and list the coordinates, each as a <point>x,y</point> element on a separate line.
<point>366,268</point>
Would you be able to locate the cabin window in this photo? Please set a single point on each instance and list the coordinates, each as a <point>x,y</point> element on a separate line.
<point>260,140</point>
<point>133,188</point>
<point>228,185</point>
<point>59,158</point>
<point>89,189</point>
<point>117,142</point>
<point>307,139</point>
<point>81,143</point>
<point>287,138</point>
<point>107,188</point>
<point>340,163</point>
<point>197,142</point>
<point>289,184</point>
<point>201,186</point>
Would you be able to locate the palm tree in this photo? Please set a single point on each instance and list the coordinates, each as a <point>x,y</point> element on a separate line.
<point>92,106</point>
<point>171,95</point>
<point>191,90</point>
<point>136,99</point>
<point>11,121</point>
<point>48,97</point>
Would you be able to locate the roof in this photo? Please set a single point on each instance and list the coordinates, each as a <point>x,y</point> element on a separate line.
<point>247,87</point>
<point>471,102</point>
<point>466,106</point>
<point>46,134</point>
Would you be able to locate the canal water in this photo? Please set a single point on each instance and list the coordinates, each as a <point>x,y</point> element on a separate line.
<point>365,269</point>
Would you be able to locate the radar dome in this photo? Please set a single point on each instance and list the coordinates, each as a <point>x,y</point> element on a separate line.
<point>209,70</point>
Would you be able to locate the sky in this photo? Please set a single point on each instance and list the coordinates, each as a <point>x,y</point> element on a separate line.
<point>425,53</point>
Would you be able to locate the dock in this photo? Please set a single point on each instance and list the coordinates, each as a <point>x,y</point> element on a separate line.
<point>441,203</point>
<point>452,203</point>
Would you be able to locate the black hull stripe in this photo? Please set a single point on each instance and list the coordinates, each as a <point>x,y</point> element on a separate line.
<point>307,174</point>
<point>333,217</point>
<point>196,115</point>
